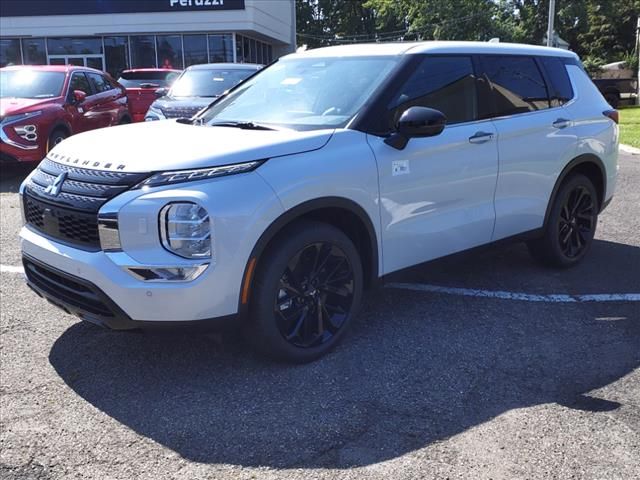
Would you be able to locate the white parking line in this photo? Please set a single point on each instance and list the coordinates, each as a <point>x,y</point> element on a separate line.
<point>11,269</point>
<point>469,292</point>
<point>527,297</point>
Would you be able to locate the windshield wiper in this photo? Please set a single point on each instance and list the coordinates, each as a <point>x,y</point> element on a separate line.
<point>242,125</point>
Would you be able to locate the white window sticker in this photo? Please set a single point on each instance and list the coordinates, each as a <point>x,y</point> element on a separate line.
<point>400,167</point>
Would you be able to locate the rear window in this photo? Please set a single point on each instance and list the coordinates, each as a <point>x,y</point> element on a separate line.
<point>516,83</point>
<point>147,79</point>
<point>560,90</point>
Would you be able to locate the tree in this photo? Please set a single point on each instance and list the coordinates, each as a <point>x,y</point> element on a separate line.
<point>601,30</point>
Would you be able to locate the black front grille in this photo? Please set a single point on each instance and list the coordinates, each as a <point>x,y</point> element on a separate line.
<point>181,112</point>
<point>66,291</point>
<point>66,224</point>
<point>72,214</point>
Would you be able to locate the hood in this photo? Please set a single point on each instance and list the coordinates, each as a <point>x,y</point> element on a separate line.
<point>168,145</point>
<point>183,102</point>
<point>11,106</point>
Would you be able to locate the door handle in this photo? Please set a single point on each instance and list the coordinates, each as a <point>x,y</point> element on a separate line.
<point>481,137</point>
<point>561,123</point>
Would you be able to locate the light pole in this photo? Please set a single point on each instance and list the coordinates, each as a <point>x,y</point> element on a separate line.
<point>552,16</point>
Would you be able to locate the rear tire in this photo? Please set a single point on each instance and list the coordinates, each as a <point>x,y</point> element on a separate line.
<point>305,293</point>
<point>571,225</point>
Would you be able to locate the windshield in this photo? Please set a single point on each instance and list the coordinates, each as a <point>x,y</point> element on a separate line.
<point>147,79</point>
<point>304,93</point>
<point>30,84</point>
<point>207,83</point>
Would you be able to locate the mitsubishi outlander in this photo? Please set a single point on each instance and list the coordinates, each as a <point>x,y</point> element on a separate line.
<point>308,183</point>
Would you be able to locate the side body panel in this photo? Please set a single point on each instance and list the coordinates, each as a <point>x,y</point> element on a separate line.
<point>534,149</point>
<point>436,195</point>
<point>532,154</point>
<point>344,168</point>
<point>597,134</point>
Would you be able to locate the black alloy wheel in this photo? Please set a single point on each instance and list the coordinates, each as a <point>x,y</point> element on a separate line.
<point>577,222</point>
<point>305,292</point>
<point>571,226</point>
<point>315,295</point>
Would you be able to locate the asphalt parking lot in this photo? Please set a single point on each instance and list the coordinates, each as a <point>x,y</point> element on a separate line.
<point>427,385</point>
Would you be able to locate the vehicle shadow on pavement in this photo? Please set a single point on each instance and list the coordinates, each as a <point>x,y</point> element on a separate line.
<point>417,368</point>
<point>11,176</point>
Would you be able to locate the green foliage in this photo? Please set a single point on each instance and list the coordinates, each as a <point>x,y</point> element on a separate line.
<point>600,29</point>
<point>592,65</point>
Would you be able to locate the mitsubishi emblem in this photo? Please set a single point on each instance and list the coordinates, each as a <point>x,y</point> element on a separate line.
<point>55,188</point>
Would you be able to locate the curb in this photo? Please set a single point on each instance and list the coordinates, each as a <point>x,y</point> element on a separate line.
<point>629,149</point>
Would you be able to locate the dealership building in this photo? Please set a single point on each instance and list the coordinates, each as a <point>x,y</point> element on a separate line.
<point>114,35</point>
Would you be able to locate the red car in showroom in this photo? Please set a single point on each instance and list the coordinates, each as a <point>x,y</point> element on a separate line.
<point>143,87</point>
<point>42,105</point>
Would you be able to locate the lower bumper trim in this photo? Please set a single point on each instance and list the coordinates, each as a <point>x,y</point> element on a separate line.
<point>77,296</point>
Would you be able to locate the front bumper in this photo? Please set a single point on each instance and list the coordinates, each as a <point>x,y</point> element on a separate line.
<point>13,154</point>
<point>118,297</point>
<point>76,296</point>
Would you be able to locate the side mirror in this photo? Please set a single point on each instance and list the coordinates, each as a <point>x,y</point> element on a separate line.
<point>417,122</point>
<point>161,92</point>
<point>79,96</point>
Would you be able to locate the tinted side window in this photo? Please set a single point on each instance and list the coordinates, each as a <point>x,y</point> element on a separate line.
<point>79,82</point>
<point>100,83</point>
<point>447,84</point>
<point>560,90</point>
<point>516,83</point>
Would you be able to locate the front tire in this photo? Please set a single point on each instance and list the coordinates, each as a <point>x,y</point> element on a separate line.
<point>55,138</point>
<point>571,225</point>
<point>306,291</point>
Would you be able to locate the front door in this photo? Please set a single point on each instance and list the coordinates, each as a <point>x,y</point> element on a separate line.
<point>436,194</point>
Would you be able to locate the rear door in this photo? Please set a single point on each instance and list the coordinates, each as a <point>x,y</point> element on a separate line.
<point>534,140</point>
<point>436,195</point>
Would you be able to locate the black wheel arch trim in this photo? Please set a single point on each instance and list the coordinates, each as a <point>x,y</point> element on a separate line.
<point>568,169</point>
<point>298,212</point>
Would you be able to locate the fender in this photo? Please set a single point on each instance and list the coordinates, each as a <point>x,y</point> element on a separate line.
<point>295,213</point>
<point>582,159</point>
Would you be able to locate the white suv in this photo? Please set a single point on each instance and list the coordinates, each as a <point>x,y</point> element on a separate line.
<point>311,181</point>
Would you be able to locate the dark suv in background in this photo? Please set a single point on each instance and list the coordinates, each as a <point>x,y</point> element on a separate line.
<point>197,87</point>
<point>42,105</point>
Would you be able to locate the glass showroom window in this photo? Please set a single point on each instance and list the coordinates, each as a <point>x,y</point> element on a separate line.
<point>169,51</point>
<point>143,51</point>
<point>10,52</point>
<point>116,55</point>
<point>195,49</point>
<point>34,51</point>
<point>74,46</point>
<point>220,48</point>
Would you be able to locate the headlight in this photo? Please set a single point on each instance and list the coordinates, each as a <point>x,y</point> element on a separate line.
<point>154,114</point>
<point>19,117</point>
<point>185,230</point>
<point>178,176</point>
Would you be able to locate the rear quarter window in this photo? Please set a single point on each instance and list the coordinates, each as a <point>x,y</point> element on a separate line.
<point>560,90</point>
